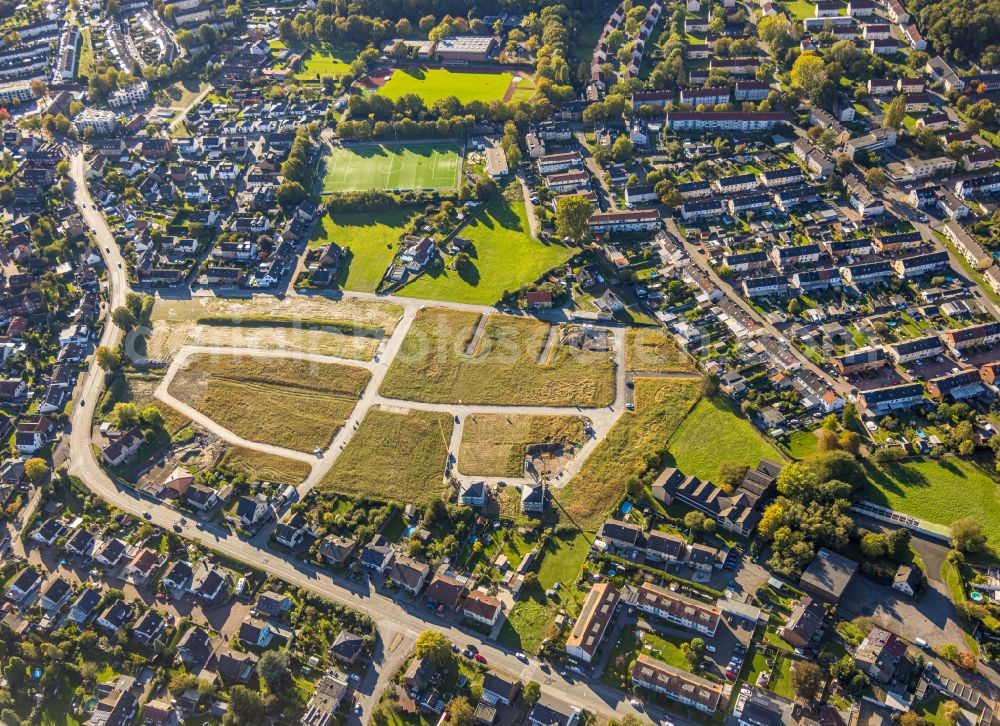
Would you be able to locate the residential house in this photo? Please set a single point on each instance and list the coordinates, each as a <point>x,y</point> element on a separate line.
<point>408,574</point>
<point>805,623</point>
<point>676,609</point>
<point>593,622</point>
<point>482,608</point>
<point>256,633</point>
<point>346,647</point>
<point>907,580</point>
<point>675,684</point>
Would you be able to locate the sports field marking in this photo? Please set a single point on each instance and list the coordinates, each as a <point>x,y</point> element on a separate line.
<point>392,166</point>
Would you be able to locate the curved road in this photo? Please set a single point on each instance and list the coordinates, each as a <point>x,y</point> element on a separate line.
<point>398,625</point>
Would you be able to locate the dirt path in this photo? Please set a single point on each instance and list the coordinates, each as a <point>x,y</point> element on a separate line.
<point>477,335</point>
<point>550,343</point>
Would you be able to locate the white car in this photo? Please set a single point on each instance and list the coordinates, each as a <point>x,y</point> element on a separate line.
<point>636,704</point>
<point>522,656</point>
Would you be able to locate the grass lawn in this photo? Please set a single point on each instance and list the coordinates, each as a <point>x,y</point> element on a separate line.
<point>562,558</point>
<point>938,491</point>
<point>265,467</point>
<point>370,243</point>
<point>436,165</point>
<point>436,83</point>
<point>181,93</point>
<point>504,256</point>
<point>432,364</point>
<point>325,61</point>
<point>85,67</point>
<point>527,624</point>
<point>713,433</point>
<point>932,711</point>
<point>802,443</point>
<point>654,350</point>
<point>494,444</point>
<point>283,401</point>
<point>394,456</point>
<point>56,710</point>
<point>638,437</point>
<point>525,89</point>
<point>781,678</point>
<point>799,9</point>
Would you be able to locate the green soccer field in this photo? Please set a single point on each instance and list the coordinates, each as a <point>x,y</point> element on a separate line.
<point>403,167</point>
<point>436,83</point>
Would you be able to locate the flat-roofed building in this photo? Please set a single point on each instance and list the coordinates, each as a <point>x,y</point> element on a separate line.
<point>467,48</point>
<point>828,575</point>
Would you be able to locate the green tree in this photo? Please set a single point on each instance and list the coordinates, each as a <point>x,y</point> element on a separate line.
<point>694,651</point>
<point>894,113</point>
<point>849,417</point>
<point>572,214</point>
<point>876,179</point>
<point>460,712</point>
<point>623,149</point>
<point>124,415</point>
<point>967,535</point>
<point>123,318</point>
<point>36,469</point>
<point>807,678</point>
<point>246,707</point>
<point>435,647</point>
<point>732,473</point>
<point>532,692</point>
<point>152,417</point>
<point>290,193</point>
<point>16,672</point>
<point>273,668</point>
<point>809,74</point>
<point>108,358</point>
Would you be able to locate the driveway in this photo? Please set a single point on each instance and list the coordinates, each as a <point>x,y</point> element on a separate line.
<point>932,617</point>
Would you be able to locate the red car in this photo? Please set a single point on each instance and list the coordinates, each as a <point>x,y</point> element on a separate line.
<point>480,657</point>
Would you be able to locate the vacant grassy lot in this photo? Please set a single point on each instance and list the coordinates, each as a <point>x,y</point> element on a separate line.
<point>309,324</point>
<point>85,66</point>
<point>370,243</point>
<point>639,437</point>
<point>139,390</point>
<point>531,619</point>
<point>433,84</point>
<point>265,467</point>
<point>432,364</point>
<point>939,491</point>
<point>504,256</point>
<point>394,456</point>
<point>654,350</point>
<point>494,444</point>
<point>282,401</point>
<point>713,433</point>
<point>396,167</point>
